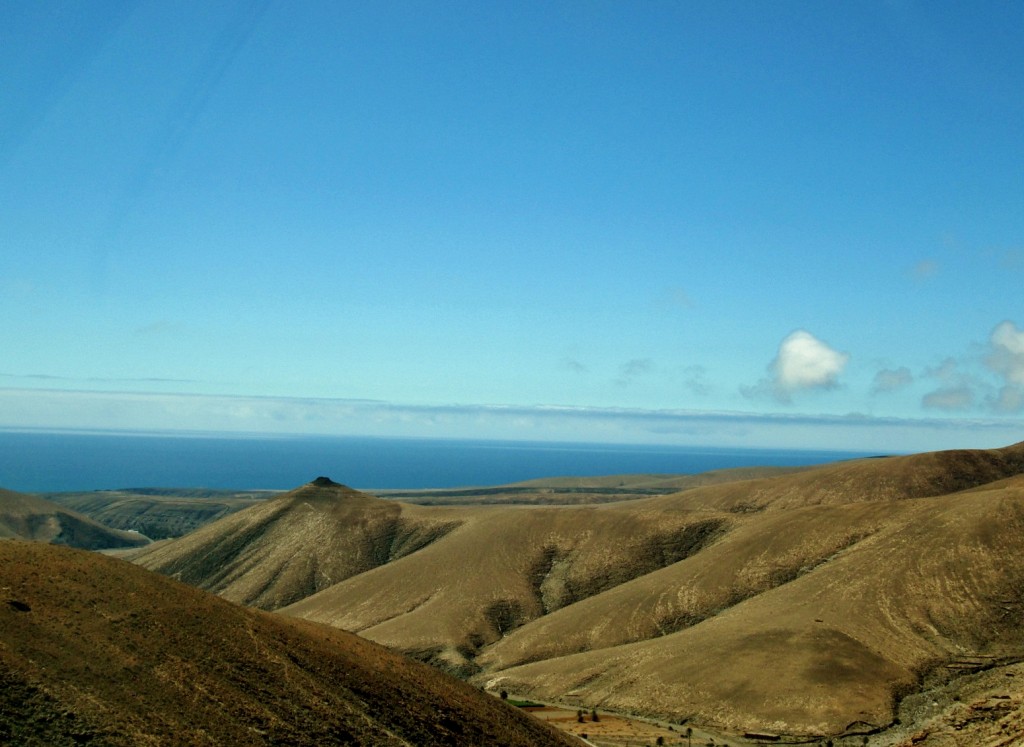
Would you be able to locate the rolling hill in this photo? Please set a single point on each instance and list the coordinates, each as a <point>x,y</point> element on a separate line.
<point>32,518</point>
<point>94,650</point>
<point>158,513</point>
<point>805,603</point>
<point>295,544</point>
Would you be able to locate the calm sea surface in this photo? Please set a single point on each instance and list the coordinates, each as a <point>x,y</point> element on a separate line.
<point>52,462</point>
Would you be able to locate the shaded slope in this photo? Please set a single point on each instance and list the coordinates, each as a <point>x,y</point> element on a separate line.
<point>984,708</point>
<point>291,546</point>
<point>758,554</point>
<point>940,580</point>
<point>501,569</point>
<point>32,518</point>
<point>158,513</point>
<point>94,650</point>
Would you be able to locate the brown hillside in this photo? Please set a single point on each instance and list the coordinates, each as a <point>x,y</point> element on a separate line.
<point>847,582</point>
<point>666,483</point>
<point>293,545</point>
<point>158,513</point>
<point>936,581</point>
<point>882,479</point>
<point>982,708</point>
<point>502,568</point>
<point>575,491</point>
<point>32,518</point>
<point>94,650</point>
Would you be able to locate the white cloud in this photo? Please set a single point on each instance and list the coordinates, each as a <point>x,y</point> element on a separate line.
<point>805,362</point>
<point>892,379</point>
<point>1007,355</point>
<point>1006,359</point>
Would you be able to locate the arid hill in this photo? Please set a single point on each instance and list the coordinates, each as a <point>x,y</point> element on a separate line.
<point>32,518</point>
<point>286,548</point>
<point>94,650</point>
<point>159,513</point>
<point>575,491</point>
<point>807,603</point>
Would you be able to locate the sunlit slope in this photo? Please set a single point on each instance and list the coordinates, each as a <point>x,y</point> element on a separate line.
<point>881,479</point>
<point>665,483</point>
<point>501,568</point>
<point>32,518</point>
<point>296,544</point>
<point>939,580</point>
<point>758,553</point>
<point>94,650</point>
<point>798,603</point>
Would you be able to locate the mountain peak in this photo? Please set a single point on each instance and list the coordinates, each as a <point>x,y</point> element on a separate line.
<point>326,482</point>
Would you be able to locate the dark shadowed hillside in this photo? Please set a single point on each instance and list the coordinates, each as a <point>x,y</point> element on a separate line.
<point>159,513</point>
<point>94,650</point>
<point>30,517</point>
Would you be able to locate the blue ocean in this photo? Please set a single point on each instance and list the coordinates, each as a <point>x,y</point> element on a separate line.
<point>38,462</point>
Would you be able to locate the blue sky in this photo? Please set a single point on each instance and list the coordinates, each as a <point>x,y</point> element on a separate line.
<point>765,224</point>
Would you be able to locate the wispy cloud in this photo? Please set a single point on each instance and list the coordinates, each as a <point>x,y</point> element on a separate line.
<point>696,380</point>
<point>100,379</point>
<point>957,390</point>
<point>677,298</point>
<point>632,369</point>
<point>64,409</point>
<point>892,380</point>
<point>989,377</point>
<point>924,270</point>
<point>571,364</point>
<point>161,327</point>
<point>1012,259</point>
<point>1005,358</point>
<point>951,398</point>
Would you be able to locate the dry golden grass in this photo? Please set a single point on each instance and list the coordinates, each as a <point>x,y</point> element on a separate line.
<point>296,544</point>
<point>937,580</point>
<point>804,603</point>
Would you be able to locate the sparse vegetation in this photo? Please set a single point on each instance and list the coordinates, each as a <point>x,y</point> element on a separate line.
<point>622,589</point>
<point>112,654</point>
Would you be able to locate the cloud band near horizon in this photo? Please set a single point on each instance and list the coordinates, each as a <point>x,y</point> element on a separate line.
<point>58,409</point>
